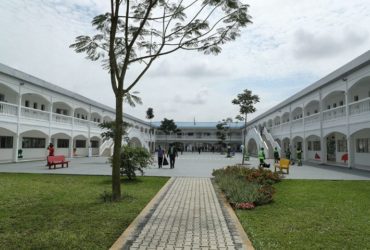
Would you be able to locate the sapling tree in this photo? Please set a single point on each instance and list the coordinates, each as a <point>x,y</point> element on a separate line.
<point>133,34</point>
<point>246,102</point>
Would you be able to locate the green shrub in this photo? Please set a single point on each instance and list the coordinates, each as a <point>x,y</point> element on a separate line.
<point>134,159</point>
<point>246,187</point>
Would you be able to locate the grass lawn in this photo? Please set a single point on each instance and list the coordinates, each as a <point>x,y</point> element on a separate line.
<point>66,212</point>
<point>312,214</point>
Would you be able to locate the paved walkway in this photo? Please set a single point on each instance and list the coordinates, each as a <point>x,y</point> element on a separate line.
<point>188,216</point>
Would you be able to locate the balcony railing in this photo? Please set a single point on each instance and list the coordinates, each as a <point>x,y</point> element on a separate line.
<point>334,113</point>
<point>58,118</point>
<point>8,109</point>
<point>312,118</point>
<point>359,107</point>
<point>81,122</point>
<point>35,114</point>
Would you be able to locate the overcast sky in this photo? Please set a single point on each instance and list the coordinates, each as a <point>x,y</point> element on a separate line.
<point>290,45</point>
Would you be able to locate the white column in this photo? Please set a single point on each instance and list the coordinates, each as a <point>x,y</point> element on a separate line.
<point>72,132</point>
<point>50,116</point>
<point>322,139</point>
<point>349,149</point>
<point>15,153</point>
<point>89,132</point>
<point>304,146</point>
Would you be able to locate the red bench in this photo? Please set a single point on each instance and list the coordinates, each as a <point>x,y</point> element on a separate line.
<point>57,160</point>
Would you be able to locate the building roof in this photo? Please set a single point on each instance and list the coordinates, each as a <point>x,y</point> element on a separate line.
<point>340,73</point>
<point>26,78</point>
<point>199,125</point>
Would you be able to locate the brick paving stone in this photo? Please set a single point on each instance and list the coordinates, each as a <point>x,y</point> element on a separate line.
<point>188,216</point>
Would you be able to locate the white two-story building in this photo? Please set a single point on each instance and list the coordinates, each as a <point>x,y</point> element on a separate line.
<point>329,120</point>
<point>34,113</point>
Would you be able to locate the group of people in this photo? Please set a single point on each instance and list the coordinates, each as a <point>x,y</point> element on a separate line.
<point>262,157</point>
<point>172,153</point>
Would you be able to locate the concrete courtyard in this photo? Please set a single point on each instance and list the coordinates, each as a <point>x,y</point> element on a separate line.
<point>187,165</point>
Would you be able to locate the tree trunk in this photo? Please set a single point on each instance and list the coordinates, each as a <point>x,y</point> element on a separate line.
<point>116,177</point>
<point>245,134</point>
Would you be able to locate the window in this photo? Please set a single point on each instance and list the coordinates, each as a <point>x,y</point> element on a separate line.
<point>63,143</point>
<point>355,98</point>
<point>32,142</point>
<point>35,105</point>
<point>27,103</point>
<point>58,111</point>
<point>98,119</point>
<point>341,103</point>
<point>328,106</point>
<point>363,145</point>
<point>190,134</point>
<point>316,111</point>
<point>94,144</point>
<point>78,115</point>
<point>43,107</point>
<point>309,146</point>
<point>316,146</point>
<point>80,143</point>
<point>6,141</point>
<point>334,105</point>
<point>65,112</point>
<point>2,98</point>
<point>308,113</point>
<point>342,145</point>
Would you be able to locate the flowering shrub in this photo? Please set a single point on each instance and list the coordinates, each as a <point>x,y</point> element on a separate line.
<point>246,187</point>
<point>245,205</point>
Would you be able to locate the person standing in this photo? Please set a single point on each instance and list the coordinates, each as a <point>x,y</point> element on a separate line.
<point>51,149</point>
<point>172,154</point>
<point>299,156</point>
<point>276,155</point>
<point>261,157</point>
<point>160,154</point>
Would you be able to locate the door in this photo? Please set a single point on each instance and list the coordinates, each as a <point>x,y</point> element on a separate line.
<point>331,149</point>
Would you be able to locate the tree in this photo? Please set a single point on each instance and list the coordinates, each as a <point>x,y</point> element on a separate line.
<point>109,129</point>
<point>246,102</point>
<point>167,127</point>
<point>134,34</point>
<point>150,116</point>
<point>223,129</point>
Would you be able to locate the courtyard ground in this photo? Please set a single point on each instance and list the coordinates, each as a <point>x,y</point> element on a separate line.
<point>187,165</point>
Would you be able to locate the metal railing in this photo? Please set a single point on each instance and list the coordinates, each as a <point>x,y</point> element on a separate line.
<point>8,109</point>
<point>359,107</point>
<point>80,122</point>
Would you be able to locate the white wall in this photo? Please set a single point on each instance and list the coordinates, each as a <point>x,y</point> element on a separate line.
<point>34,153</point>
<point>6,154</point>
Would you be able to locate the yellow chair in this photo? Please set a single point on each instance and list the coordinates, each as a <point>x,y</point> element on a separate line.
<point>283,164</point>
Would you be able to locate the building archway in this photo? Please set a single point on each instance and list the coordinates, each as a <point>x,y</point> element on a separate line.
<point>7,142</point>
<point>135,142</point>
<point>33,144</point>
<point>62,144</point>
<point>285,145</point>
<point>336,148</point>
<point>359,96</point>
<point>313,148</point>
<point>360,148</point>
<point>252,148</point>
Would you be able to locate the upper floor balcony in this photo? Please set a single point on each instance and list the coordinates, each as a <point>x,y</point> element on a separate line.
<point>10,112</point>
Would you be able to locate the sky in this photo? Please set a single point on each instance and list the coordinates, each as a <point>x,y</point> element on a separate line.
<point>290,45</point>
